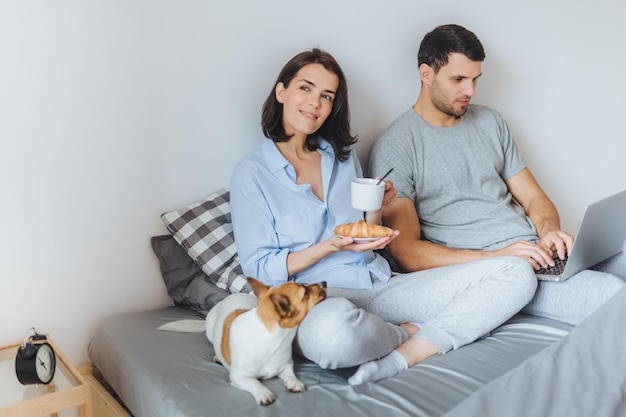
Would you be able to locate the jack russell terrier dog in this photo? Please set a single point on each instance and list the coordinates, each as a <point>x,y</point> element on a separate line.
<point>252,336</point>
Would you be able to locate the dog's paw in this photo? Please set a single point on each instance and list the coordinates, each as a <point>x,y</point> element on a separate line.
<point>262,395</point>
<point>265,397</point>
<point>295,385</point>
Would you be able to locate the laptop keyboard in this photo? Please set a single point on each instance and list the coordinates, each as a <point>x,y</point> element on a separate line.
<point>557,269</point>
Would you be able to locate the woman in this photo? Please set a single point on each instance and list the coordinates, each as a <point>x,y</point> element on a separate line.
<point>289,194</point>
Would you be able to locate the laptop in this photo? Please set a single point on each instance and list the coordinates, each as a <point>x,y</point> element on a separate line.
<point>601,234</point>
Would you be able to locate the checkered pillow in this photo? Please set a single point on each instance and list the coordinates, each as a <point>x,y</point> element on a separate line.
<point>204,229</point>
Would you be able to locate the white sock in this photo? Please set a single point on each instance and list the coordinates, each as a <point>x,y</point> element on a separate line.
<point>390,365</point>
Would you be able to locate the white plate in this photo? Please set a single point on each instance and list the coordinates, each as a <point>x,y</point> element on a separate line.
<point>363,239</point>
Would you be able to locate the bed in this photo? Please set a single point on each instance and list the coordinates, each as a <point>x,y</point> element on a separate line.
<point>529,366</point>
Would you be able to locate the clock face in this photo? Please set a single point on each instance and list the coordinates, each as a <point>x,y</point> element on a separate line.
<point>45,363</point>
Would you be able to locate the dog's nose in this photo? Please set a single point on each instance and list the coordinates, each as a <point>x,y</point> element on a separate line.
<point>323,284</point>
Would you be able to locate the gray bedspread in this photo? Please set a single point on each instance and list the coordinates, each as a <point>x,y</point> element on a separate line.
<point>161,374</point>
<point>583,375</point>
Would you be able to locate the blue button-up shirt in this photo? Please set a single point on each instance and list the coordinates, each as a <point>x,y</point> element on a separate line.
<point>273,216</point>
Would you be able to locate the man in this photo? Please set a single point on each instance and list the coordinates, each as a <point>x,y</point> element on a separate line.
<point>465,191</point>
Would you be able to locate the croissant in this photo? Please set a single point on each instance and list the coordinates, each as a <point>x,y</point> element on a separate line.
<point>361,229</point>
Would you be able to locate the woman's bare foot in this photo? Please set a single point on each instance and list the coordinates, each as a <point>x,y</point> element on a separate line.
<point>410,328</point>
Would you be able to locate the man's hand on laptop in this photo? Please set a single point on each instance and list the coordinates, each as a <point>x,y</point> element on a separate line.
<point>558,241</point>
<point>535,254</point>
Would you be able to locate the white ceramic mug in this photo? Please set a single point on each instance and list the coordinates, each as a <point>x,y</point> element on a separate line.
<point>366,194</point>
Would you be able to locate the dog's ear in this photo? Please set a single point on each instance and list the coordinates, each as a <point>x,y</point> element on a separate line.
<point>258,287</point>
<point>282,304</point>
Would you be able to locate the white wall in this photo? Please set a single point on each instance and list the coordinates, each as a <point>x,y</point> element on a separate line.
<point>112,112</point>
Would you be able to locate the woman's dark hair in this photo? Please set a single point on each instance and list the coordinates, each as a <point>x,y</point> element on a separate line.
<point>336,128</point>
<point>444,40</point>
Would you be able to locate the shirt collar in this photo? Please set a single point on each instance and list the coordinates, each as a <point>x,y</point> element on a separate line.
<point>276,161</point>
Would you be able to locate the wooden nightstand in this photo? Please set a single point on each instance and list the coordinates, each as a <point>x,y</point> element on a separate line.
<point>103,403</point>
<point>68,389</point>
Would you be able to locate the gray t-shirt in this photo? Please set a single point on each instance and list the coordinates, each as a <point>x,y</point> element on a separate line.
<point>455,176</point>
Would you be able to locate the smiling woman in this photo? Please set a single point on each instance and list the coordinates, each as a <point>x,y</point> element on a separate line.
<point>301,174</point>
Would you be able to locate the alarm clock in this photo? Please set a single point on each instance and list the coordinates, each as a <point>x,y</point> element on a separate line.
<point>35,361</point>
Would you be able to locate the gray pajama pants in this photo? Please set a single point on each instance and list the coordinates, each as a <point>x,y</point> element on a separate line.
<point>453,306</point>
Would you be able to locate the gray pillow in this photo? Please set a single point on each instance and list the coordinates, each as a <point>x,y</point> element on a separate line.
<point>185,281</point>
